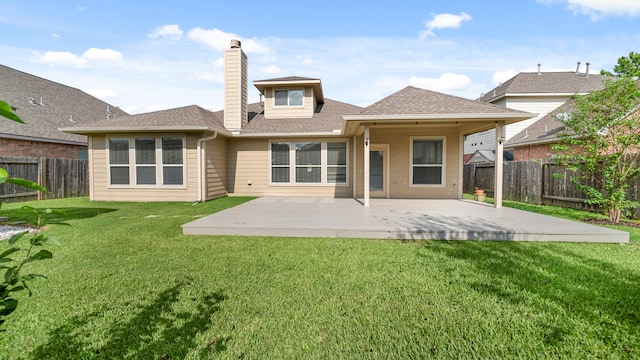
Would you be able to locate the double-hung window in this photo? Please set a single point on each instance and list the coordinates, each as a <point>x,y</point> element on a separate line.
<point>289,97</point>
<point>427,161</point>
<point>309,162</point>
<point>146,161</point>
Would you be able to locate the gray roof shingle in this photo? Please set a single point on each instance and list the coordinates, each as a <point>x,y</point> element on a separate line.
<point>547,83</point>
<point>416,101</point>
<point>326,119</point>
<point>546,129</point>
<point>53,106</point>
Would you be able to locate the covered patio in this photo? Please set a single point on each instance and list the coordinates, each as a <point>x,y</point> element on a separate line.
<point>394,219</point>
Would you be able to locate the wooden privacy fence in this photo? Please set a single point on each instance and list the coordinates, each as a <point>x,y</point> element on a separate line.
<point>61,177</point>
<point>534,182</point>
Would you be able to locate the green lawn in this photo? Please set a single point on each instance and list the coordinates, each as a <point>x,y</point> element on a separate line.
<point>125,283</point>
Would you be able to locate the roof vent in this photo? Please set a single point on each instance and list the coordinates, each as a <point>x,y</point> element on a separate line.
<point>235,44</point>
<point>539,72</point>
<point>42,101</point>
<point>33,101</point>
<point>578,68</point>
<point>586,73</point>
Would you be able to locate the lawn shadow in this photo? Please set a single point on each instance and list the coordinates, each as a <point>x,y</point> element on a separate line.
<point>552,279</point>
<point>164,328</point>
<point>30,217</point>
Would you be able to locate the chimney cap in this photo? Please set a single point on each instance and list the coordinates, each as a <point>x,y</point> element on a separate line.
<point>235,44</point>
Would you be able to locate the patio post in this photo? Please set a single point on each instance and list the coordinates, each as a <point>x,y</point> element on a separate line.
<point>366,165</point>
<point>497,184</point>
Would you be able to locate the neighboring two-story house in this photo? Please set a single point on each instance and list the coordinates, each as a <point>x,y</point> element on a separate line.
<point>45,106</point>
<point>536,92</point>
<point>295,142</point>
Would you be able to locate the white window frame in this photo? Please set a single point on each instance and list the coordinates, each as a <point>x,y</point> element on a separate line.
<point>288,97</point>
<point>159,165</point>
<point>323,163</point>
<point>443,165</point>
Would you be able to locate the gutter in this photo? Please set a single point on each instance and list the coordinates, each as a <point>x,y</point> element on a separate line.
<point>200,159</point>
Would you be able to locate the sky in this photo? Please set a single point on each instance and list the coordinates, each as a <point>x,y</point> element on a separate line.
<point>145,56</point>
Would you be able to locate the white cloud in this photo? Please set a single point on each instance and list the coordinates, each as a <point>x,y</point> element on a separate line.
<point>220,40</point>
<point>503,75</point>
<point>271,69</point>
<point>102,55</point>
<point>211,76</point>
<point>600,8</point>
<point>168,32</point>
<point>68,58</point>
<point>55,36</point>
<point>447,82</point>
<point>444,21</point>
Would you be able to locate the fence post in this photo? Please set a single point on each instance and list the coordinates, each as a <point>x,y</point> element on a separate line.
<point>42,177</point>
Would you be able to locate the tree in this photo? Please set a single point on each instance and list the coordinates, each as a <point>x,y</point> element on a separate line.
<point>14,280</point>
<point>626,67</point>
<point>601,142</point>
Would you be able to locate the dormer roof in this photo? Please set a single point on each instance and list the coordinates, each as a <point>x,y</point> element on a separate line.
<point>261,85</point>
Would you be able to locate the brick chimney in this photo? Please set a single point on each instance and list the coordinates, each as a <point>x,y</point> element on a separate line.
<point>235,87</point>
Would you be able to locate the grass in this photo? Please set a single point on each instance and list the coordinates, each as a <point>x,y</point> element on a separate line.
<point>127,284</point>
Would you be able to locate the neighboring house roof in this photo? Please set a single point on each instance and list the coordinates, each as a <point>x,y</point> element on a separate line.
<point>45,106</point>
<point>545,83</point>
<point>188,118</point>
<point>545,130</point>
<point>488,156</point>
<point>415,101</point>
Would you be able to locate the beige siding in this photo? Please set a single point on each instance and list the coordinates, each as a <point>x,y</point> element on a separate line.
<point>216,165</point>
<point>306,111</point>
<point>235,94</point>
<point>399,162</point>
<point>249,170</point>
<point>102,192</point>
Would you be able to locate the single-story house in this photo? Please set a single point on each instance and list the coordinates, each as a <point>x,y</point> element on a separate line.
<point>45,106</point>
<point>295,142</point>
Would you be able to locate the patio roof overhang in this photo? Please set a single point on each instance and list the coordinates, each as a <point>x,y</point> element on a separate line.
<point>87,130</point>
<point>466,123</point>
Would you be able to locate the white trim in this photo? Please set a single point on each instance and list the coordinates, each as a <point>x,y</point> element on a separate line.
<point>92,181</point>
<point>443,165</point>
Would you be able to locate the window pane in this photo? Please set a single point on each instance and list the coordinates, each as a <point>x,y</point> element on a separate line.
<point>119,151</point>
<point>295,97</point>
<point>308,174</point>
<point>427,175</point>
<point>146,175</point>
<point>280,174</point>
<point>280,154</point>
<point>337,175</point>
<point>172,175</point>
<point>336,153</point>
<point>171,150</point>
<point>308,153</point>
<point>119,175</point>
<point>281,97</point>
<point>427,152</point>
<point>145,151</point>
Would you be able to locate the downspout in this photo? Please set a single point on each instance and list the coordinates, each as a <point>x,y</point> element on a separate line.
<point>200,160</point>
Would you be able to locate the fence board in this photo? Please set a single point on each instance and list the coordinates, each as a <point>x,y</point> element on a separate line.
<point>61,177</point>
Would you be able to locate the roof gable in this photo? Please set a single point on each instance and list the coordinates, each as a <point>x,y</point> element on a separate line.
<point>415,101</point>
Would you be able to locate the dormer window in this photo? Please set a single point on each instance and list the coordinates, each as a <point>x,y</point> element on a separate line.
<point>289,97</point>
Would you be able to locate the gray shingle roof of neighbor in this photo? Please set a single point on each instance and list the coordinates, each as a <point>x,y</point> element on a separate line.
<point>191,117</point>
<point>415,101</point>
<point>545,130</point>
<point>546,83</point>
<point>46,105</point>
<point>326,118</point>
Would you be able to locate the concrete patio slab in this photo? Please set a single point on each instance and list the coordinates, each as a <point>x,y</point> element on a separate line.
<point>394,219</point>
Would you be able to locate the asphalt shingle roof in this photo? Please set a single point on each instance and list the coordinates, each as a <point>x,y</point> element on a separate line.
<point>326,118</point>
<point>53,105</point>
<point>547,83</point>
<point>412,100</point>
<point>546,129</point>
